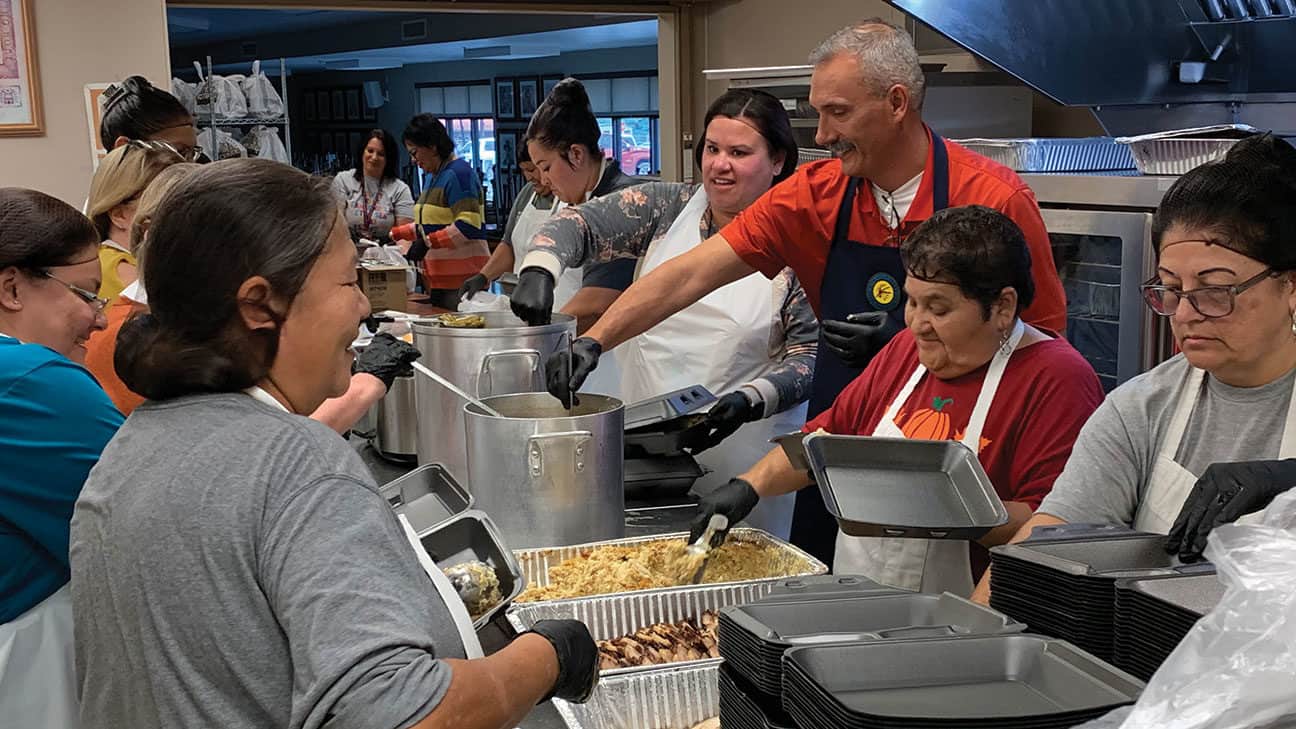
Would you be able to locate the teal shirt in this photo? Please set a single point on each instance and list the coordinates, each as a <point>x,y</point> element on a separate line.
<point>55,420</point>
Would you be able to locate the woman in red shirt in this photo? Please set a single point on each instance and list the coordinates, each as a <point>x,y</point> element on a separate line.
<point>966,368</point>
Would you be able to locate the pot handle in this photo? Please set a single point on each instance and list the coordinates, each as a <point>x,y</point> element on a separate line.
<point>554,448</point>
<point>485,386</point>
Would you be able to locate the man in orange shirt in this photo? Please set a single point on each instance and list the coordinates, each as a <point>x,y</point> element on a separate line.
<point>837,223</point>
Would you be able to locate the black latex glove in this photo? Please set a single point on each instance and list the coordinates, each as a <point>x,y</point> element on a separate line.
<point>861,336</point>
<point>386,358</point>
<point>735,500</point>
<point>1225,492</point>
<point>563,377</point>
<point>372,322</point>
<point>578,658</point>
<point>532,298</point>
<point>726,416</point>
<point>475,284</point>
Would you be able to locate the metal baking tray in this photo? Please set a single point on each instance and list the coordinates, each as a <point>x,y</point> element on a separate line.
<point>897,487</point>
<point>1142,555</point>
<point>990,677</point>
<point>785,624</point>
<point>1177,151</point>
<point>613,616</point>
<point>666,407</point>
<point>1059,154</point>
<point>535,563</point>
<point>473,536</point>
<point>427,496</point>
<point>791,443</point>
<point>666,699</point>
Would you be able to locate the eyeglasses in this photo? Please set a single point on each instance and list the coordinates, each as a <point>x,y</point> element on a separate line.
<point>1211,302</point>
<point>95,302</point>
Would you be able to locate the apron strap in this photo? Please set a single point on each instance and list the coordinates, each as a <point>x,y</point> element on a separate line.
<point>842,228</point>
<point>903,397</point>
<point>940,173</point>
<point>1183,411</point>
<point>990,386</point>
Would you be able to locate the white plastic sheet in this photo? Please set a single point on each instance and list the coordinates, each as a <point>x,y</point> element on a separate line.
<point>1236,669</point>
<point>390,255</point>
<point>484,301</point>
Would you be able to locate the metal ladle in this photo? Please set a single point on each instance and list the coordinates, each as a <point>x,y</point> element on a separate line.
<point>447,384</point>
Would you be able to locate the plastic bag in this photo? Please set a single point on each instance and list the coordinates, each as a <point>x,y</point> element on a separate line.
<point>263,100</point>
<point>390,255</point>
<point>186,93</point>
<point>264,142</point>
<point>221,94</point>
<point>484,301</point>
<point>1236,669</point>
<point>224,146</point>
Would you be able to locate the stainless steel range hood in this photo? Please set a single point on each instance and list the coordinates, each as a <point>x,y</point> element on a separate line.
<point>1142,65</point>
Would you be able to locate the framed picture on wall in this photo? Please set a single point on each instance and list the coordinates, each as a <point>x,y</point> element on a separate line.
<point>322,102</point>
<point>308,105</point>
<point>528,97</point>
<point>338,99</point>
<point>507,152</point>
<point>505,99</point>
<point>353,104</point>
<point>20,98</point>
<point>547,84</point>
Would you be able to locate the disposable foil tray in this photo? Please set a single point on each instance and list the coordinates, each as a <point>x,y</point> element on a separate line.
<point>897,487</point>
<point>535,563</point>
<point>1062,154</point>
<point>1178,151</point>
<point>666,699</point>
<point>613,616</point>
<point>427,496</point>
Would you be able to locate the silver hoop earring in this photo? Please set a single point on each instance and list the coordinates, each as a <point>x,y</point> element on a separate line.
<point>1294,323</point>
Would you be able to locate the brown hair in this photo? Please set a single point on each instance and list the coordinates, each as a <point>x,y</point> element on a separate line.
<point>123,175</point>
<point>39,232</point>
<point>208,235</point>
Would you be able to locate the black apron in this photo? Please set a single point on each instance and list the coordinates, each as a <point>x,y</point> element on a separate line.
<point>858,277</point>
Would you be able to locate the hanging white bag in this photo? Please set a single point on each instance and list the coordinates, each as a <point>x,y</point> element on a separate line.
<point>263,100</point>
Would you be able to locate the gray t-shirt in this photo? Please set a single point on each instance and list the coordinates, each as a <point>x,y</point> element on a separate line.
<point>386,201</point>
<point>1107,474</point>
<point>234,566</point>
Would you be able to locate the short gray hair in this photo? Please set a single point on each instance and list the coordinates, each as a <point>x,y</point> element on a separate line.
<point>886,55</point>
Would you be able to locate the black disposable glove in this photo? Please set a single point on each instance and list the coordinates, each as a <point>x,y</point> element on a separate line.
<point>735,500</point>
<point>578,658</point>
<point>726,416</point>
<point>861,336</point>
<point>532,298</point>
<point>563,377</point>
<point>1225,492</point>
<point>386,358</point>
<point>475,284</point>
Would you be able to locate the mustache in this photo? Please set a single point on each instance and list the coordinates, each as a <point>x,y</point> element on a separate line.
<point>840,147</point>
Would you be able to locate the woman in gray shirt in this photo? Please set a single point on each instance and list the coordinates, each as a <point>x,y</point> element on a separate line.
<point>233,563</point>
<point>1207,436</point>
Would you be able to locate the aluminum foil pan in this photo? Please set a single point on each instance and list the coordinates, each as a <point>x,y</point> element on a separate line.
<point>665,699</point>
<point>535,563</point>
<point>613,616</point>
<point>1178,151</point>
<point>1062,154</point>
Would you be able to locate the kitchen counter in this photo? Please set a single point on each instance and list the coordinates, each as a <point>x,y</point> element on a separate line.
<point>644,517</point>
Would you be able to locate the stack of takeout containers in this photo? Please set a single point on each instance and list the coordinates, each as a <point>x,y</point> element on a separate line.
<point>1066,588</point>
<point>999,681</point>
<point>1154,614</point>
<point>754,637</point>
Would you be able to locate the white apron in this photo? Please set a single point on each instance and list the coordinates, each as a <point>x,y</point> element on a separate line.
<point>529,222</point>
<point>1170,483</point>
<point>720,342</point>
<point>924,565</point>
<point>38,687</point>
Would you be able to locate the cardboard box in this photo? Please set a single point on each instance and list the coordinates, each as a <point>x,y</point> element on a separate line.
<point>384,285</point>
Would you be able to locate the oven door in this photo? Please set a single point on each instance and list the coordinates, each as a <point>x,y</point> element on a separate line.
<point>1102,258</point>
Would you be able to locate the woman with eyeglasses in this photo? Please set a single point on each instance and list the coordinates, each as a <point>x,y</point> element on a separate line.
<point>56,421</point>
<point>136,109</point>
<point>1207,436</point>
<point>114,194</point>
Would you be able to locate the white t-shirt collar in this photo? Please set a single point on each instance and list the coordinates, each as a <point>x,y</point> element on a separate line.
<point>114,244</point>
<point>256,393</point>
<point>135,292</point>
<point>899,199</point>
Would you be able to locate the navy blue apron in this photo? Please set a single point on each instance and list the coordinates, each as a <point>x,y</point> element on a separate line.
<point>858,277</point>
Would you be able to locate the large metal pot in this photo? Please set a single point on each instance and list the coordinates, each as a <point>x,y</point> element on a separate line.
<point>546,476</point>
<point>396,422</point>
<point>505,357</point>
